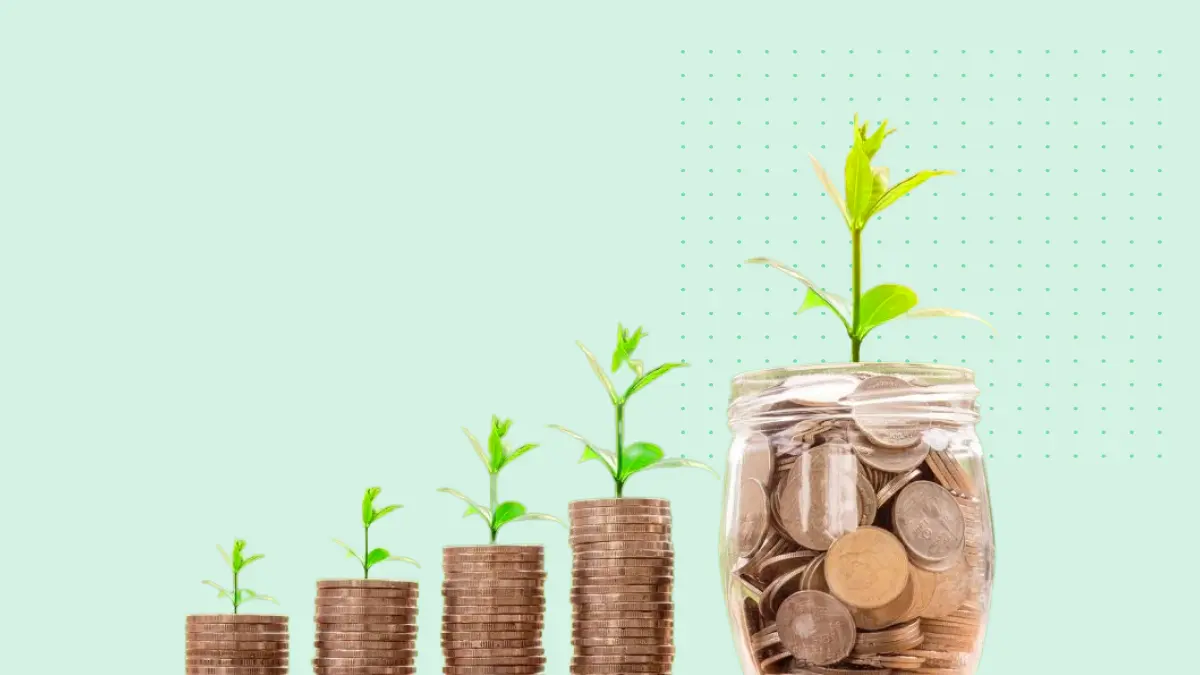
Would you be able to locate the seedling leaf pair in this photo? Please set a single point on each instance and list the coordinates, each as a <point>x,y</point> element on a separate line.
<point>631,459</point>
<point>373,556</point>
<point>237,561</point>
<point>868,193</point>
<point>497,456</point>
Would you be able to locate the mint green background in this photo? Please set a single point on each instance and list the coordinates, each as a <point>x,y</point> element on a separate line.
<point>256,256</point>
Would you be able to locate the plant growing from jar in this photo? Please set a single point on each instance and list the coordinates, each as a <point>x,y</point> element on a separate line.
<point>373,556</point>
<point>495,458</point>
<point>868,193</point>
<point>237,561</point>
<point>629,458</point>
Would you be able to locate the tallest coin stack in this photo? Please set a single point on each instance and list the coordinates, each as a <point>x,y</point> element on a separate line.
<point>621,593</point>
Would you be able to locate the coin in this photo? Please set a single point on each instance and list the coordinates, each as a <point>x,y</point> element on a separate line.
<point>620,502</point>
<point>774,566</point>
<point>889,614</point>
<point>813,578</point>
<point>337,627</point>
<point>815,628</point>
<point>929,522</point>
<point>758,459</point>
<point>867,568</point>
<point>235,670</point>
<point>778,590</point>
<point>867,501</point>
<point>887,458</point>
<point>237,618</point>
<point>895,639</point>
<point>895,484</point>
<point>367,583</point>
<point>366,593</point>
<point>752,517</point>
<point>951,589</point>
<point>366,602</point>
<point>819,500</point>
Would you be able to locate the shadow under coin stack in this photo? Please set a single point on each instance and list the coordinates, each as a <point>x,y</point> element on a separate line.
<point>237,644</point>
<point>621,590</point>
<point>494,610</point>
<point>365,627</point>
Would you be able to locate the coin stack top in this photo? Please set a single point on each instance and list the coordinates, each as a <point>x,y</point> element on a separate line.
<point>494,610</point>
<point>237,644</point>
<point>623,618</point>
<point>365,627</point>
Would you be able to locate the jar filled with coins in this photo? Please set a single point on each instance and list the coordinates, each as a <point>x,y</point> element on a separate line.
<point>856,533</point>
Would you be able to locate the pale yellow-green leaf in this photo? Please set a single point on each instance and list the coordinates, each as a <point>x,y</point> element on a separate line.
<point>904,187</point>
<point>935,312</point>
<point>608,385</point>
<point>830,300</point>
<point>830,189</point>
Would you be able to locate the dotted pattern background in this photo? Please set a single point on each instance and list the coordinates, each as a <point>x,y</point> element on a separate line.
<point>1058,228</point>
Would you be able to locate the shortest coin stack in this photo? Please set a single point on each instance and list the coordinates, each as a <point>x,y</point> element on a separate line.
<point>621,587</point>
<point>237,644</point>
<point>494,610</point>
<point>365,627</point>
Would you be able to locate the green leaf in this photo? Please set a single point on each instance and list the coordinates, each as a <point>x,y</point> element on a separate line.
<point>384,511</point>
<point>829,298</point>
<point>506,512</point>
<point>934,312</point>
<point>681,463</point>
<point>377,555</point>
<point>608,385</point>
<point>496,450</point>
<point>222,592</point>
<point>638,456</point>
<point>247,561</point>
<point>478,448</point>
<point>239,545</point>
<point>880,176</point>
<point>626,345</point>
<point>257,596</point>
<point>404,559</point>
<point>482,511</point>
<point>539,516</point>
<point>518,452</point>
<point>860,181</point>
<point>225,555</point>
<point>872,143</point>
<point>835,303</point>
<point>368,508</point>
<point>645,380</point>
<point>590,451</point>
<point>882,304</point>
<point>349,551</point>
<point>830,189</point>
<point>902,188</point>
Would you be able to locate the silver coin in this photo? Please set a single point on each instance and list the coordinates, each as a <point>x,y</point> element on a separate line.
<point>758,460</point>
<point>752,517</point>
<point>815,628</point>
<point>819,501</point>
<point>887,458</point>
<point>867,501</point>
<point>929,522</point>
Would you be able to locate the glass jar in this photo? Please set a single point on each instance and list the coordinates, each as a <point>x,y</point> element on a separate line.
<point>856,530</point>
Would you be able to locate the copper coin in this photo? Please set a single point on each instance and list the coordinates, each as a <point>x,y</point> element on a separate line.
<point>492,635</point>
<point>237,618</point>
<point>894,485</point>
<point>867,568</point>
<point>661,520</point>
<point>235,630</point>
<point>236,637</point>
<point>752,517</point>
<point>320,662</point>
<point>951,590</point>
<point>489,644</point>
<point>364,670</point>
<point>240,662</point>
<point>404,593</point>
<point>867,501</point>
<point>226,645</point>
<point>364,644</point>
<point>236,670</point>
<point>778,590</point>
<point>617,503</point>
<point>365,602</point>
<point>326,653</point>
<point>280,653</point>
<point>889,614</point>
<point>367,583</point>
<point>329,628</point>
<point>813,578</point>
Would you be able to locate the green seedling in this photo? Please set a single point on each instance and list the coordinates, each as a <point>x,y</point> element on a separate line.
<point>373,556</point>
<point>238,562</point>
<point>498,455</point>
<point>630,459</point>
<point>868,193</point>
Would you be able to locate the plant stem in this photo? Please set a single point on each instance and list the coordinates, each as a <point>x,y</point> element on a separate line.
<point>366,551</point>
<point>235,591</point>
<point>856,246</point>
<point>493,480</point>
<point>620,446</point>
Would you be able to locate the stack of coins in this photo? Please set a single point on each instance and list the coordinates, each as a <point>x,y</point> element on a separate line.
<point>365,627</point>
<point>495,608</point>
<point>621,586</point>
<point>237,644</point>
<point>861,530</point>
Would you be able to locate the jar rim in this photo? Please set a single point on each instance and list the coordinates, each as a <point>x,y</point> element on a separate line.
<point>930,373</point>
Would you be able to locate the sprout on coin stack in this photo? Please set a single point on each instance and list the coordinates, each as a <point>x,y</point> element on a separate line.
<point>237,644</point>
<point>857,532</point>
<point>494,602</point>
<point>623,558</point>
<point>366,626</point>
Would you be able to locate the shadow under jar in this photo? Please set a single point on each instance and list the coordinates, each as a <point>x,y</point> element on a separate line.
<point>856,529</point>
